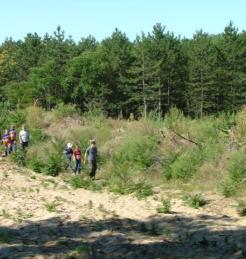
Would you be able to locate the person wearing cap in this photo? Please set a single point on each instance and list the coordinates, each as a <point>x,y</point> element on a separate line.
<point>68,152</point>
<point>91,157</point>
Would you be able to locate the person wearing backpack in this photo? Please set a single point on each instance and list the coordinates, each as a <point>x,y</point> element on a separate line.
<point>7,143</point>
<point>77,159</point>
<point>24,138</point>
<point>68,152</point>
<point>91,157</point>
<point>12,135</point>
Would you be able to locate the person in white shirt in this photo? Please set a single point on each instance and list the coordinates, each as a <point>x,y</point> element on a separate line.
<point>24,137</point>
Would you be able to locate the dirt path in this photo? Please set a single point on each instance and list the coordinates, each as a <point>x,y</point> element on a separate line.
<point>42,217</point>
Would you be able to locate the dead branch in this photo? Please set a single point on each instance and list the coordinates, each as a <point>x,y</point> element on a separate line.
<point>187,139</point>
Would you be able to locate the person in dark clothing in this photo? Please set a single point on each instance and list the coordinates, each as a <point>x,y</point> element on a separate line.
<point>77,158</point>
<point>91,157</point>
<point>68,152</point>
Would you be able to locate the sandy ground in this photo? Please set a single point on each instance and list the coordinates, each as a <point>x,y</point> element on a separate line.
<point>42,217</point>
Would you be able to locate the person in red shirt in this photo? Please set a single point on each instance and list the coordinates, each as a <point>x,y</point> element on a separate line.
<point>7,142</point>
<point>77,159</point>
<point>12,135</point>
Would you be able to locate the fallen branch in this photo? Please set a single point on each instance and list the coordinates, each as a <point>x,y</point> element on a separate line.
<point>187,139</point>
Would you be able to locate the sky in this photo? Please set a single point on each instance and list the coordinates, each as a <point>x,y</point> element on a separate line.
<point>99,18</point>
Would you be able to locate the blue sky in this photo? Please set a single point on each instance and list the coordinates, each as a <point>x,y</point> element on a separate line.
<point>79,18</point>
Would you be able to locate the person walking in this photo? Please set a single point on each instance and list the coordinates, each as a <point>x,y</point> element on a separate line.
<point>7,143</point>
<point>68,152</point>
<point>77,158</point>
<point>91,157</point>
<point>12,135</point>
<point>24,138</point>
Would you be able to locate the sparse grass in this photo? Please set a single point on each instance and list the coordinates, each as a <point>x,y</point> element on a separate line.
<point>166,207</point>
<point>5,214</point>
<point>194,200</point>
<point>90,205</point>
<point>51,206</point>
<point>5,173</point>
<point>241,208</point>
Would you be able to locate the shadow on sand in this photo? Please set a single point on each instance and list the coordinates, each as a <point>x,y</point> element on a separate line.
<point>171,236</point>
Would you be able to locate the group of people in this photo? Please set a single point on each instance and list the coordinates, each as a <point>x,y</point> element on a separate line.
<point>9,139</point>
<point>75,154</point>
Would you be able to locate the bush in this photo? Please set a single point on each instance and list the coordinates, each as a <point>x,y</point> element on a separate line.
<point>65,110</point>
<point>241,126</point>
<point>166,206</point>
<point>37,135</point>
<point>35,117</point>
<point>236,174</point>
<point>137,150</point>
<point>174,118</point>
<point>142,190</point>
<point>195,201</point>
<point>53,165</point>
<point>19,157</point>
<point>228,188</point>
<point>80,182</point>
<point>36,165</point>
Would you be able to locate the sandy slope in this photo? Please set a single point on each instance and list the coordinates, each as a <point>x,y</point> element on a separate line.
<point>86,224</point>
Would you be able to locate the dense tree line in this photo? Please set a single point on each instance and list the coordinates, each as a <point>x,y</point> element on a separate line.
<point>202,75</point>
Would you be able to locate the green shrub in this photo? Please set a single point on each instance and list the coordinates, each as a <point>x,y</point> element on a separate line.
<point>236,174</point>
<point>174,119</point>
<point>237,167</point>
<point>53,165</point>
<point>19,157</point>
<point>137,150</point>
<point>17,118</point>
<point>36,165</point>
<point>65,110</point>
<point>228,188</point>
<point>194,200</point>
<point>37,135</point>
<point>80,182</point>
<point>166,206</point>
<point>142,190</point>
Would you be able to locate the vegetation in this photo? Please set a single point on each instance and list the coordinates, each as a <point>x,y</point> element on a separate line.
<point>166,207</point>
<point>135,156</point>
<point>203,75</point>
<point>194,200</point>
<point>180,96</point>
<point>241,208</point>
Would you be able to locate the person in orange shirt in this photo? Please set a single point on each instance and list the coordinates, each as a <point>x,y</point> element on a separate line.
<point>12,135</point>
<point>7,143</point>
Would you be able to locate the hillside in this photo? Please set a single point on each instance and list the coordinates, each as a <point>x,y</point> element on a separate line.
<point>173,187</point>
<point>43,217</point>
